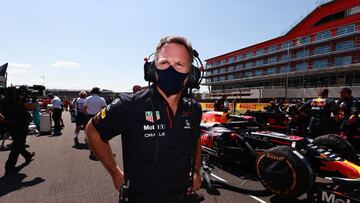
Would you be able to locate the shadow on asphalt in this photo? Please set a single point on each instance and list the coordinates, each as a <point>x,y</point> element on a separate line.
<point>81,146</point>
<point>15,181</point>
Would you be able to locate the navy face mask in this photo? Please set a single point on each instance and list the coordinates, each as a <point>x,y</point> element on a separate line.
<point>170,81</point>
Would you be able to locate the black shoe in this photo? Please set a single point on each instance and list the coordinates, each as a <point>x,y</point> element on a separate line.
<point>76,141</point>
<point>29,159</point>
<point>93,157</point>
<point>57,133</point>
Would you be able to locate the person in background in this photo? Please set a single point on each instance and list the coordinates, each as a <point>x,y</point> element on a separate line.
<point>57,108</point>
<point>66,103</point>
<point>93,104</point>
<point>16,119</point>
<point>348,114</point>
<point>108,100</point>
<point>80,116</point>
<point>320,110</point>
<point>136,88</point>
<point>221,104</point>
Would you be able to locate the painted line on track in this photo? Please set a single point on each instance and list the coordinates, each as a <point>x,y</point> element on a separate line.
<point>254,197</point>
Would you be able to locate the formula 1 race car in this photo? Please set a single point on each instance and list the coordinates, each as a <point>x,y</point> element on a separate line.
<point>286,165</point>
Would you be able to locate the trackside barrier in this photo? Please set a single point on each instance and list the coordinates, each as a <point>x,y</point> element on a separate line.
<point>239,106</point>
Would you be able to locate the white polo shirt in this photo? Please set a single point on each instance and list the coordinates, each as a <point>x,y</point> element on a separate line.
<point>94,104</point>
<point>56,102</point>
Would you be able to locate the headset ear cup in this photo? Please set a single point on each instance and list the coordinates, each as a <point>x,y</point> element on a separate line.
<point>150,72</point>
<point>194,77</point>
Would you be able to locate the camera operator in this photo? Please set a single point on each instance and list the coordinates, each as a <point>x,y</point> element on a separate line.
<point>157,132</point>
<point>16,120</point>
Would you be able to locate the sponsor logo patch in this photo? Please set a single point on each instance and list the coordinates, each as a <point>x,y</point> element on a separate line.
<point>103,113</point>
<point>187,124</point>
<point>149,116</point>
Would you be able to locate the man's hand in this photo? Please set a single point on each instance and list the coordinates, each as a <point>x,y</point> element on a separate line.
<point>196,183</point>
<point>118,178</point>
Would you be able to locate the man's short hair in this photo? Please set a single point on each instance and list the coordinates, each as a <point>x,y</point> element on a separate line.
<point>346,90</point>
<point>82,94</point>
<point>323,92</point>
<point>95,90</point>
<point>177,40</point>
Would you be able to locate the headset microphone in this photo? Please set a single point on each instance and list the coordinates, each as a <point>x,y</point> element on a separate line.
<point>195,73</point>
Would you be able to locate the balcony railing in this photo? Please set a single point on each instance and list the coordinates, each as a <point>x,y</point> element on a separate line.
<point>293,59</point>
<point>312,36</point>
<point>310,70</point>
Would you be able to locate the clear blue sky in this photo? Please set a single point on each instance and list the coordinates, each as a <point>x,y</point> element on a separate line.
<point>79,44</point>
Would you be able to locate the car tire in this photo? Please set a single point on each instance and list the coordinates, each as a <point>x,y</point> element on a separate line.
<point>285,172</point>
<point>338,145</point>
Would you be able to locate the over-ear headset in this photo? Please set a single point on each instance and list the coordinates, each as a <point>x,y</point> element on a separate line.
<point>194,79</point>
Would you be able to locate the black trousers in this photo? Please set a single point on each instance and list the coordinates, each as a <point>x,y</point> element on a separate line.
<point>17,148</point>
<point>57,117</point>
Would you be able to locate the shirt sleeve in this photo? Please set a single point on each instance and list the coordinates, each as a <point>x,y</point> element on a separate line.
<point>109,122</point>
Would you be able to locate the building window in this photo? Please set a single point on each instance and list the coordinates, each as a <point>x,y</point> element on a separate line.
<point>215,78</point>
<point>249,73</point>
<point>353,10</point>
<point>239,66</point>
<point>331,17</point>
<point>285,57</point>
<point>259,52</point>
<point>230,77</point>
<point>286,45</point>
<point>344,60</point>
<point>223,70</point>
<point>323,35</point>
<point>272,49</point>
<point>320,63</point>
<point>259,62</point>
<point>284,69</point>
<point>222,62</point>
<point>249,64</point>
<point>259,72</point>
<point>345,29</point>
<point>344,45</point>
<point>231,60</point>
<point>322,49</point>
<point>271,70</point>
<point>239,57</point>
<point>302,53</point>
<point>231,68</point>
<point>272,60</point>
<point>301,66</point>
<point>249,55</point>
<point>239,75</point>
<point>215,71</point>
<point>222,78</point>
<point>208,65</point>
<point>303,40</point>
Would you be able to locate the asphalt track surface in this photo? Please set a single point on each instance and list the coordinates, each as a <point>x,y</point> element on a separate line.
<point>61,172</point>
